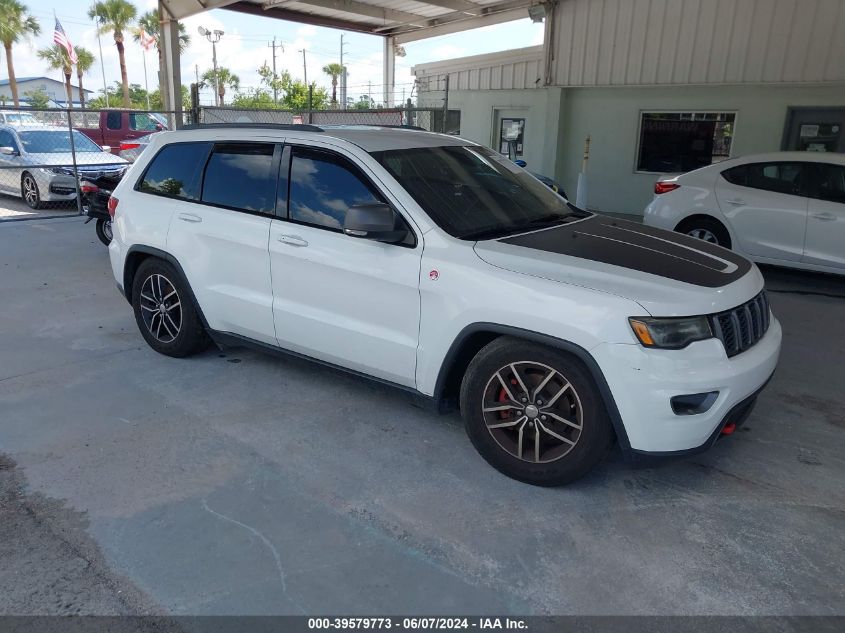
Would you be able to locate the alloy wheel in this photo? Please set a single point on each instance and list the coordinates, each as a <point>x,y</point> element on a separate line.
<point>30,191</point>
<point>161,308</point>
<point>532,411</point>
<point>703,234</point>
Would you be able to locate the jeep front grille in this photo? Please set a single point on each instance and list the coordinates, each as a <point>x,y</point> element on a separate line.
<point>741,328</point>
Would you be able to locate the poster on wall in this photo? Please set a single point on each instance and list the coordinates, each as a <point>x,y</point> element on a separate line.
<point>512,130</point>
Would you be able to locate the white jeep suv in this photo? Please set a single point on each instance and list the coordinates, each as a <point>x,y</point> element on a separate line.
<point>439,266</point>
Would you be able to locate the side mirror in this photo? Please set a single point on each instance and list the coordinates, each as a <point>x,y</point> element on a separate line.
<point>8,151</point>
<point>159,127</point>
<point>520,162</point>
<point>374,221</point>
<point>106,148</point>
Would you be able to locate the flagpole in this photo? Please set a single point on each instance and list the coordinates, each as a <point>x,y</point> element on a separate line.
<point>146,85</point>
<point>102,66</point>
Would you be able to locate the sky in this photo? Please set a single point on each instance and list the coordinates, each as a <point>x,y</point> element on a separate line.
<point>245,47</point>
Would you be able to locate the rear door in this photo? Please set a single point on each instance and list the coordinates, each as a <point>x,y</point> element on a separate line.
<point>220,239</point>
<point>344,300</point>
<point>766,206</point>
<point>825,243</point>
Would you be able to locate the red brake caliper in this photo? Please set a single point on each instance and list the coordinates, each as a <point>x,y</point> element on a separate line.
<point>503,397</point>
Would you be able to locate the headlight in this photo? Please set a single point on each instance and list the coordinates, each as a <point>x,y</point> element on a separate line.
<point>670,333</point>
<point>61,171</point>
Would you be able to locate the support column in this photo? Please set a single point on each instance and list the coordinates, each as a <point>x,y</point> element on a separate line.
<point>170,77</point>
<point>389,71</point>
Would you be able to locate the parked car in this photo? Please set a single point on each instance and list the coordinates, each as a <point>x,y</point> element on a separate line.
<point>130,149</point>
<point>439,266</point>
<point>16,117</point>
<point>39,162</point>
<point>119,125</point>
<point>784,208</point>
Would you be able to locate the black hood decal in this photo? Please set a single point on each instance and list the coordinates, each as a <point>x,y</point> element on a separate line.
<point>639,247</point>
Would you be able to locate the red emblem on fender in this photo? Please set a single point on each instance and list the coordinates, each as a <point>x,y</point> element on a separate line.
<point>433,275</point>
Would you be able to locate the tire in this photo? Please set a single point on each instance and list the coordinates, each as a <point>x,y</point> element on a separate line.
<point>707,229</point>
<point>103,228</point>
<point>29,191</point>
<point>180,335</point>
<point>494,433</point>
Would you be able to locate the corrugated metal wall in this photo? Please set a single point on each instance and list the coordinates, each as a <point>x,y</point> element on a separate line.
<point>648,42</point>
<point>511,70</point>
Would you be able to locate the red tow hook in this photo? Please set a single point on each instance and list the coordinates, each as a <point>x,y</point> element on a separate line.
<point>729,428</point>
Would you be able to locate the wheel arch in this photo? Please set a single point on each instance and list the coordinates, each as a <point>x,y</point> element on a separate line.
<point>474,337</point>
<point>137,255</point>
<point>702,215</point>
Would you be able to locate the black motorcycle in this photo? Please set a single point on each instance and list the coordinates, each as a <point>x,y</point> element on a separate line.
<point>96,192</point>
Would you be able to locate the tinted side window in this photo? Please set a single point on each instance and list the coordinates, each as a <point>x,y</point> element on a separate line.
<point>175,170</point>
<point>7,140</point>
<point>323,186</point>
<point>113,120</point>
<point>831,183</point>
<point>241,176</point>
<point>788,178</point>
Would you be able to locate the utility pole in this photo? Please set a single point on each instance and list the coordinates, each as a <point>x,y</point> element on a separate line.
<point>304,67</point>
<point>370,93</point>
<point>342,76</point>
<point>275,89</point>
<point>197,73</point>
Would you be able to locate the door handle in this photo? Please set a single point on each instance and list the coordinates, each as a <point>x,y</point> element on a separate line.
<point>736,202</point>
<point>189,217</point>
<point>292,240</point>
<point>824,217</point>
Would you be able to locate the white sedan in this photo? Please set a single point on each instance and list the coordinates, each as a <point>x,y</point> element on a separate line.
<point>784,208</point>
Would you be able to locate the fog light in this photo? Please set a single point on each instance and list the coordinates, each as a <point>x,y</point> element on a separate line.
<point>693,403</point>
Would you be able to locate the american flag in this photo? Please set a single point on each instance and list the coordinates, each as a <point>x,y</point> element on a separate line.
<point>61,38</point>
<point>147,41</point>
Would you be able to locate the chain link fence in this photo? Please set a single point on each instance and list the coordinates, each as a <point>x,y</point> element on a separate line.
<point>46,155</point>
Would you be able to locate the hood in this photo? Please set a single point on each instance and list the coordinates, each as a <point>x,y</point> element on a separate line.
<point>668,274</point>
<point>83,159</point>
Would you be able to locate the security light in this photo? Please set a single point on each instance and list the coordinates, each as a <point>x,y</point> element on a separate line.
<point>537,12</point>
<point>203,31</point>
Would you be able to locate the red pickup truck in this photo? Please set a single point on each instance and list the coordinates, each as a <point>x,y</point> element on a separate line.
<point>119,125</point>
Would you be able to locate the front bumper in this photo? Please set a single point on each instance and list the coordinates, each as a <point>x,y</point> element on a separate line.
<point>643,381</point>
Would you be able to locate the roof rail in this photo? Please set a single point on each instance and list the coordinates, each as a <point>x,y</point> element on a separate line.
<point>301,127</point>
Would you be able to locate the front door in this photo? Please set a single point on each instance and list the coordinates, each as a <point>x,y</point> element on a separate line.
<point>815,130</point>
<point>344,300</point>
<point>10,179</point>
<point>825,243</point>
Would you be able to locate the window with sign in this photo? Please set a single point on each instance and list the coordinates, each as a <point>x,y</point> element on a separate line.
<point>677,142</point>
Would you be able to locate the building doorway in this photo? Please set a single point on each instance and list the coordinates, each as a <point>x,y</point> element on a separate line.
<point>815,130</point>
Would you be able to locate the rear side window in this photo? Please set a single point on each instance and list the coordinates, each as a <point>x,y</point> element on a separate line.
<point>142,121</point>
<point>113,120</point>
<point>241,176</point>
<point>788,178</point>
<point>175,171</point>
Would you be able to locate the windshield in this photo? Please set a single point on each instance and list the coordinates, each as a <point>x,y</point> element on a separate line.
<point>472,192</point>
<point>21,119</point>
<point>55,142</point>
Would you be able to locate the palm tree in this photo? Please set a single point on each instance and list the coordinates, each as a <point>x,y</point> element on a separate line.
<point>150,22</point>
<point>84,61</point>
<point>225,78</point>
<point>334,71</point>
<point>15,25</point>
<point>57,59</point>
<point>115,16</point>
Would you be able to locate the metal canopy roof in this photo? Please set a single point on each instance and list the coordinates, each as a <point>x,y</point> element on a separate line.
<point>406,20</point>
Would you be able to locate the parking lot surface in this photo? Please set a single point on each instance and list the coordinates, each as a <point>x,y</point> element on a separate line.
<point>240,483</point>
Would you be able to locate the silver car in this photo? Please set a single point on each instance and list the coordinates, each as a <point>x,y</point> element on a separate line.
<point>131,148</point>
<point>36,163</point>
